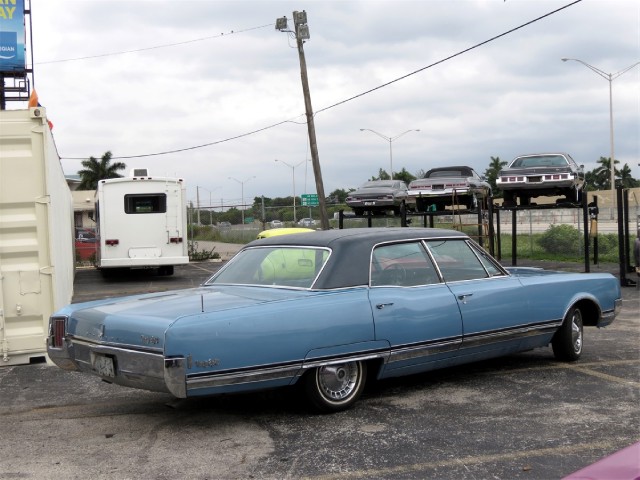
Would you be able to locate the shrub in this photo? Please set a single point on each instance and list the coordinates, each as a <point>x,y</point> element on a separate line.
<point>560,239</point>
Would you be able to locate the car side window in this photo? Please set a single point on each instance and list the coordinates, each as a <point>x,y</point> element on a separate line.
<point>456,260</point>
<point>403,265</point>
<point>489,264</point>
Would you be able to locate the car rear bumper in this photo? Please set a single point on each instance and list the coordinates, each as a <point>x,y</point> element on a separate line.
<point>373,203</point>
<point>129,367</point>
<point>534,183</point>
<point>447,192</point>
<point>609,316</point>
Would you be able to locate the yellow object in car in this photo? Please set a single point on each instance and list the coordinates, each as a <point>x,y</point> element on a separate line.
<point>282,231</point>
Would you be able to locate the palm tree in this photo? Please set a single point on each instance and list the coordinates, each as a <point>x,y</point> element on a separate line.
<point>626,179</point>
<point>96,170</point>
<point>405,176</point>
<point>603,172</point>
<point>491,174</point>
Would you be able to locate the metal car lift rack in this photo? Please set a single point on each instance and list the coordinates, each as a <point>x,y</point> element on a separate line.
<point>487,230</point>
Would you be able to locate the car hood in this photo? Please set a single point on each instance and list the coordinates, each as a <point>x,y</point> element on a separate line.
<point>141,320</point>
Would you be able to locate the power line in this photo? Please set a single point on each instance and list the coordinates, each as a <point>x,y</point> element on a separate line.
<point>415,72</point>
<point>186,42</point>
<point>448,58</point>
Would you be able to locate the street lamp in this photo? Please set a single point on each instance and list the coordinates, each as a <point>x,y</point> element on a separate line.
<point>293,179</point>
<point>390,140</point>
<point>210,201</point>
<point>610,77</point>
<point>242,190</point>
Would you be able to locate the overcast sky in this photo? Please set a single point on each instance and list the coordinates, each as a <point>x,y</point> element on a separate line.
<point>203,72</point>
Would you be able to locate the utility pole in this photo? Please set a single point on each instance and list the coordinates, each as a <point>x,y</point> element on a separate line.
<point>301,34</point>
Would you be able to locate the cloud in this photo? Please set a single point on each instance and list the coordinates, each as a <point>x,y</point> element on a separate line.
<point>508,97</point>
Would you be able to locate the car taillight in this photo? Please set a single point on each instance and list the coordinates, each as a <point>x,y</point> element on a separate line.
<point>112,241</point>
<point>175,240</point>
<point>57,331</point>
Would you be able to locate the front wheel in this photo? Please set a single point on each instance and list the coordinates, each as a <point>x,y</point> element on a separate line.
<point>567,342</point>
<point>333,388</point>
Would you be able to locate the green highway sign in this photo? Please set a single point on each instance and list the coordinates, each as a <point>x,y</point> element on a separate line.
<point>309,199</point>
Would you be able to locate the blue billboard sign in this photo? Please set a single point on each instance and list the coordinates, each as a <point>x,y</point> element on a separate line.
<point>12,36</point>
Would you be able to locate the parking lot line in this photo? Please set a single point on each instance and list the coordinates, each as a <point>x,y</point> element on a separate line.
<point>391,472</point>
<point>604,376</point>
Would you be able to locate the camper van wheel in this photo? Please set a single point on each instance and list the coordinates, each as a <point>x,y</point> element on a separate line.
<point>166,270</point>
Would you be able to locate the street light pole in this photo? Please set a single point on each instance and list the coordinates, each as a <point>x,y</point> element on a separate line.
<point>293,180</point>
<point>610,77</point>
<point>210,202</point>
<point>242,192</point>
<point>390,140</point>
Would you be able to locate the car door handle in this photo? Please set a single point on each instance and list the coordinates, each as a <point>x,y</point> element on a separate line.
<point>380,306</point>
<point>463,297</point>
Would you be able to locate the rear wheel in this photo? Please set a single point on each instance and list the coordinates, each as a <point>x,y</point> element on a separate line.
<point>509,199</point>
<point>333,388</point>
<point>567,342</point>
<point>165,270</point>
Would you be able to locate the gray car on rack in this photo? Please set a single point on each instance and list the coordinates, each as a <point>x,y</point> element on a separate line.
<point>378,196</point>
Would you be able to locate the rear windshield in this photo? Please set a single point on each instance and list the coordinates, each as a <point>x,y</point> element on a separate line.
<point>448,173</point>
<point>274,266</point>
<point>540,161</point>
<point>145,203</point>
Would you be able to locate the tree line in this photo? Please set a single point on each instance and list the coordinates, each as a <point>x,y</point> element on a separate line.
<point>281,208</point>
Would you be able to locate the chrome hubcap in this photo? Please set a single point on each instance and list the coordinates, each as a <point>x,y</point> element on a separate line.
<point>338,381</point>
<point>576,335</point>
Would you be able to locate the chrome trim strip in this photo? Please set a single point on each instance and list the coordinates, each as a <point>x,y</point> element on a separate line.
<point>257,375</point>
<point>126,346</point>
<point>336,361</point>
<point>485,338</point>
<point>423,350</point>
<point>266,373</point>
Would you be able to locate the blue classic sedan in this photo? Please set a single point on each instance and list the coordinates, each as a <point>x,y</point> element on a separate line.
<point>327,310</point>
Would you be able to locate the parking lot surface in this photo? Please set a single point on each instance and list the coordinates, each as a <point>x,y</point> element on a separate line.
<point>523,416</point>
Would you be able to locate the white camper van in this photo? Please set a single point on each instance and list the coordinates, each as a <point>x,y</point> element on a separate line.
<point>141,222</point>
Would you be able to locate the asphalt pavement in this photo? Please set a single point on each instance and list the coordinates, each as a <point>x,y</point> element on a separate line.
<point>522,416</point>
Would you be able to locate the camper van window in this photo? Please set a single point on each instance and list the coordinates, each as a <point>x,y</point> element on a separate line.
<point>145,203</point>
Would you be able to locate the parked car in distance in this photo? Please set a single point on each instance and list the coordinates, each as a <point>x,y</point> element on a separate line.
<point>85,235</point>
<point>307,222</point>
<point>276,224</point>
<point>282,231</point>
<point>541,174</point>
<point>459,187</point>
<point>327,310</point>
<point>378,196</point>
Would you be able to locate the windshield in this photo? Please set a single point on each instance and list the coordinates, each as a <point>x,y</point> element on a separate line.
<point>278,266</point>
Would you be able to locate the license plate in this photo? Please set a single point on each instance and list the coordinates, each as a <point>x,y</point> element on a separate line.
<point>103,366</point>
<point>369,204</point>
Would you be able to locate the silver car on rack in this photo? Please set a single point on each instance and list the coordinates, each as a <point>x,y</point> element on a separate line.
<point>459,187</point>
<point>541,174</point>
